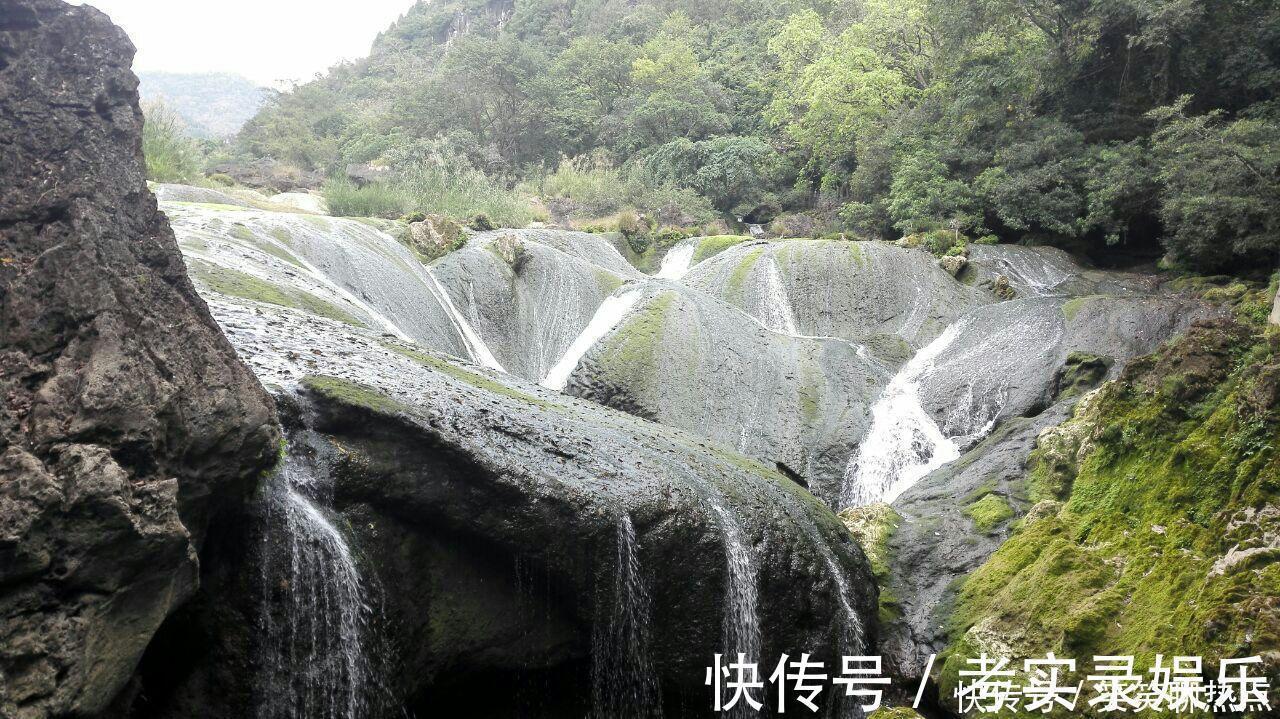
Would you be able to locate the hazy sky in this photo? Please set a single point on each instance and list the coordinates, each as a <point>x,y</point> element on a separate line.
<point>267,41</point>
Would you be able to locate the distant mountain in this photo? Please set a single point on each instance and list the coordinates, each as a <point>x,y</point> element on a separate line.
<point>214,105</point>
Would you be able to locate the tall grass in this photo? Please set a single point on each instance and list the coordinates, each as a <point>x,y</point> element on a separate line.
<point>595,188</point>
<point>376,200</point>
<point>433,182</point>
<point>171,155</point>
<point>461,191</point>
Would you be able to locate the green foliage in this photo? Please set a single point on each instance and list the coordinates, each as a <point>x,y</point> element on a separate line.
<point>431,179</point>
<point>1049,121</point>
<point>594,188</point>
<point>345,199</point>
<point>171,156</point>
<point>989,512</point>
<point>1222,185</point>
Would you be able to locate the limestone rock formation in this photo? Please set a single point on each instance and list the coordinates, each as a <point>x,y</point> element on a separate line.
<point>128,424</point>
<point>487,509</point>
<point>530,293</point>
<point>687,360</point>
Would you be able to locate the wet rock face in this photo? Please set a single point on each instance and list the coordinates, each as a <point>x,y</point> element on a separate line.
<point>686,360</point>
<point>487,510</point>
<point>530,293</point>
<point>127,422</point>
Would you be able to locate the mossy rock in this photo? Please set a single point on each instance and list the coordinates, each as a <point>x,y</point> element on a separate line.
<point>1166,541</point>
<point>235,283</point>
<point>1079,374</point>
<point>352,394</point>
<point>989,512</point>
<point>894,713</point>
<point>711,246</point>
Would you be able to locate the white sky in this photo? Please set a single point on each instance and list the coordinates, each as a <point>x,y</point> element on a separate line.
<point>270,42</point>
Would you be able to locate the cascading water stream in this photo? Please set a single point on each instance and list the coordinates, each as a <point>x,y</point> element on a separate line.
<point>475,345</point>
<point>677,261</point>
<point>741,629</point>
<point>624,685</point>
<point>904,443</point>
<point>607,316</point>
<point>315,613</point>
<point>774,304</point>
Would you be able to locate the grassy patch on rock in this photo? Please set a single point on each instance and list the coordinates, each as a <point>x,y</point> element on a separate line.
<point>872,527</point>
<point>475,379</point>
<point>714,245</point>
<point>631,348</point>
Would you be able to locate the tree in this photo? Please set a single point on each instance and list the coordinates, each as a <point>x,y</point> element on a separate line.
<point>1221,198</point>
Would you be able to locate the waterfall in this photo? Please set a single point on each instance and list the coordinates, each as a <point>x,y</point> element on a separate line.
<point>607,316</point>
<point>740,629</point>
<point>904,443</point>
<point>852,635</point>
<point>677,261</point>
<point>624,685</point>
<point>741,618</point>
<point>475,345</point>
<point>314,616</point>
<point>774,309</point>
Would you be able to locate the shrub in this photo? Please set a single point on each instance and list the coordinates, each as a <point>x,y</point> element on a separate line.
<point>171,156</point>
<point>219,178</point>
<point>481,222</point>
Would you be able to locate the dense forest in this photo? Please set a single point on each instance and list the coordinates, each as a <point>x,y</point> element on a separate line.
<point>1103,126</point>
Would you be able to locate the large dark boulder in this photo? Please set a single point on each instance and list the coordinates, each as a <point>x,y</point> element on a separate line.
<point>127,423</point>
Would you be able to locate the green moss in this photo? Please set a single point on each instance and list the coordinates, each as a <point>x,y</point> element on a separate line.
<point>351,393</point>
<point>608,281</point>
<point>714,245</point>
<point>872,527</point>
<point>212,206</point>
<point>738,279</point>
<point>317,222</point>
<point>859,257</point>
<point>1073,307</point>
<point>474,379</point>
<point>894,713</point>
<point>234,283</point>
<point>1139,560</point>
<point>241,232</point>
<point>989,512</point>
<point>631,348</point>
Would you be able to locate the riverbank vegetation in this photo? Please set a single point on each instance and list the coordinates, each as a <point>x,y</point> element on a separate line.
<point>1124,129</point>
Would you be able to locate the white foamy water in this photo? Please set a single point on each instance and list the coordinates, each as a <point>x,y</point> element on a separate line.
<point>677,261</point>
<point>475,345</point>
<point>314,659</point>
<point>742,616</point>
<point>607,316</point>
<point>773,304</point>
<point>904,443</point>
<point>624,685</point>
